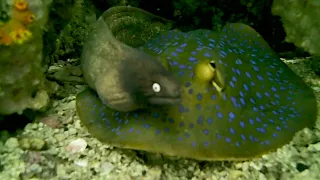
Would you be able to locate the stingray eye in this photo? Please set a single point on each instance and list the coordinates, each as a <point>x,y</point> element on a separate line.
<point>156,87</point>
<point>213,64</point>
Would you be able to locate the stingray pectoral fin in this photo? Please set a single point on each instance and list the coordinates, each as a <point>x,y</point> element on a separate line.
<point>239,32</point>
<point>138,130</point>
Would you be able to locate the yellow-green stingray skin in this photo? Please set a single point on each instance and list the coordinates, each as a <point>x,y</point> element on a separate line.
<point>260,109</point>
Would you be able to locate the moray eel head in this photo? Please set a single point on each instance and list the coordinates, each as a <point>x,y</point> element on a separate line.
<point>149,81</point>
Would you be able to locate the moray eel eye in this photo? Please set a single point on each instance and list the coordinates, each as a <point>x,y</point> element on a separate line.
<point>156,87</point>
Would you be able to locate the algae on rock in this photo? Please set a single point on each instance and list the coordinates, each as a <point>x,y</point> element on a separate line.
<point>22,79</point>
<point>301,22</point>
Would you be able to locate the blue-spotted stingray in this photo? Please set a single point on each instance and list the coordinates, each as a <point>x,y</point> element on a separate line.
<point>239,100</point>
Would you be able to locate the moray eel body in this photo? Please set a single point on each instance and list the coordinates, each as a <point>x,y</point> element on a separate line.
<point>125,78</point>
<point>239,100</point>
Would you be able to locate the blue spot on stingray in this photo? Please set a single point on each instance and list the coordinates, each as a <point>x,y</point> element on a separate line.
<point>255,68</point>
<point>223,54</point>
<point>200,120</point>
<point>191,125</point>
<point>224,96</point>
<point>248,74</point>
<point>258,95</point>
<point>187,135</point>
<point>179,50</point>
<point>146,126</point>
<point>231,115</point>
<point>243,136</point>
<point>194,144</point>
<point>192,59</point>
<point>232,131</point>
<point>207,55</point>
<point>245,87</point>
<point>158,131</point>
<point>183,45</point>
<point>242,124</point>
<point>183,66</point>
<point>155,115</point>
<point>258,119</point>
<point>238,61</point>
<point>174,54</point>
<point>213,97</point>
<point>261,130</point>
<point>231,84</point>
<point>206,131</point>
<point>238,71</point>
<point>234,78</point>
<point>242,101</point>
<point>228,139</point>
<point>260,77</point>
<point>181,124</point>
<point>199,96</point>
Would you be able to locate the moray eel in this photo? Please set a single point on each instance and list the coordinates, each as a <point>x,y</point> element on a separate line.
<point>239,100</point>
<point>125,78</point>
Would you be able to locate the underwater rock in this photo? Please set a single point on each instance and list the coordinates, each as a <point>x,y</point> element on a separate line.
<point>28,143</point>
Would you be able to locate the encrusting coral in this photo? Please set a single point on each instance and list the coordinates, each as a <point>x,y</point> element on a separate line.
<point>15,30</point>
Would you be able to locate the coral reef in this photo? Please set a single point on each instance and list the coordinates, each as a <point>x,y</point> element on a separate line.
<point>22,80</point>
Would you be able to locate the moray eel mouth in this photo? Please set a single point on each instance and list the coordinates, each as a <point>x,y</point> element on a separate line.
<point>160,100</point>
